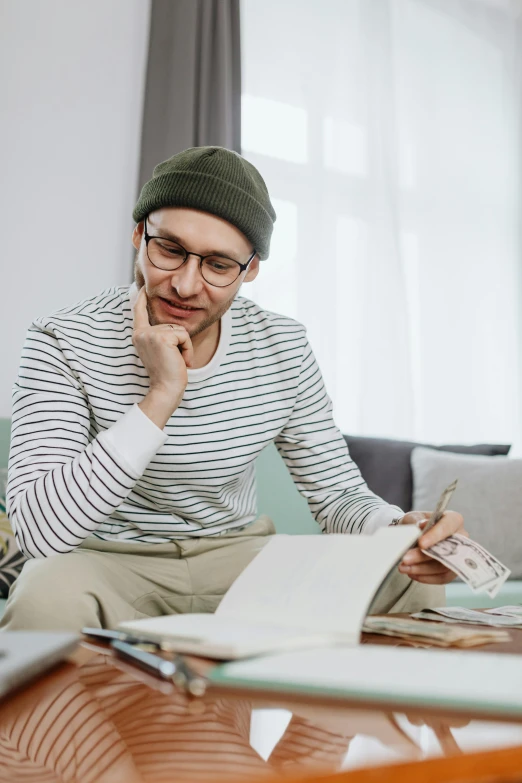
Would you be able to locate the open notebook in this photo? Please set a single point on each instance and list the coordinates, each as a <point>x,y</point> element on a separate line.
<point>299,591</point>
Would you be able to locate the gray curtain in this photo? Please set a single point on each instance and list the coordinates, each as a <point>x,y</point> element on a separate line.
<point>193,85</point>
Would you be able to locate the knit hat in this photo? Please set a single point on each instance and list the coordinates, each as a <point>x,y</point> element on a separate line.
<point>215,180</point>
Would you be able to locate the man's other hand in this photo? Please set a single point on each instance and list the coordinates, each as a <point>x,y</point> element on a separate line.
<point>419,566</point>
<point>166,351</point>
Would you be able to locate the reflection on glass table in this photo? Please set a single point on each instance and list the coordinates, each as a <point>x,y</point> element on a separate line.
<point>101,719</point>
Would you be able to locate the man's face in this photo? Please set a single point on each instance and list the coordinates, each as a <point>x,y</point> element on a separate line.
<point>197,232</point>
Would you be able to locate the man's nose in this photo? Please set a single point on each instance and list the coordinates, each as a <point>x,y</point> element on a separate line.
<point>187,278</point>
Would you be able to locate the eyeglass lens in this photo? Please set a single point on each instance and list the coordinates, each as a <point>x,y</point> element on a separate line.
<point>168,255</point>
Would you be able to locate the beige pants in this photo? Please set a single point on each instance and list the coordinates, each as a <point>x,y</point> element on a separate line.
<point>103,583</point>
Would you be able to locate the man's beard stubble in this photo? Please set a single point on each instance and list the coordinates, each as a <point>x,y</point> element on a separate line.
<point>198,328</point>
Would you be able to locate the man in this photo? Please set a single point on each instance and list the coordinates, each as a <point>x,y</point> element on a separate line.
<point>139,414</point>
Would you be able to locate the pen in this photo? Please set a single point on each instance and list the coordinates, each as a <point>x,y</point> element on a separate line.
<point>106,635</point>
<point>149,661</point>
<point>176,670</point>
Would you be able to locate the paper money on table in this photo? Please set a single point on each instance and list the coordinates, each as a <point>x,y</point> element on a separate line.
<point>506,611</point>
<point>475,565</point>
<point>431,633</point>
<point>460,614</point>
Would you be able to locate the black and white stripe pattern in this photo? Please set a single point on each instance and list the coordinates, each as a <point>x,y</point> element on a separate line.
<point>86,461</point>
<point>98,722</point>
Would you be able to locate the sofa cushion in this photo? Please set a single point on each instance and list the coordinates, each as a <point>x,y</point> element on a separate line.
<point>489,495</point>
<point>459,594</point>
<point>386,464</point>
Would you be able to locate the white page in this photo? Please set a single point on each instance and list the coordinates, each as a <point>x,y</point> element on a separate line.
<point>221,637</point>
<point>489,682</point>
<point>323,584</point>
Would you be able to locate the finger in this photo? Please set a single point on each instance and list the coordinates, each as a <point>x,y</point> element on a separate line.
<point>415,720</point>
<point>440,579</point>
<point>450,523</point>
<point>184,344</point>
<point>454,723</point>
<point>413,556</point>
<point>415,518</point>
<point>140,312</point>
<point>424,569</point>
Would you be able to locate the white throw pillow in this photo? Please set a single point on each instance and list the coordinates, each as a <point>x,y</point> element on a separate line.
<point>489,495</point>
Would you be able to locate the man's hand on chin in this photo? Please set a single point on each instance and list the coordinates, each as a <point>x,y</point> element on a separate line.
<point>419,566</point>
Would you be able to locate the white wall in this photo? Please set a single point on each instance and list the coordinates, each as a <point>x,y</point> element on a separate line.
<point>71,95</point>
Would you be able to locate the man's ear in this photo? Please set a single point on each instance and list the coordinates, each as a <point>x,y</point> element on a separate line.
<point>137,234</point>
<point>253,270</point>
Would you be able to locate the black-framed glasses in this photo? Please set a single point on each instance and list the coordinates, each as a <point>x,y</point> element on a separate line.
<point>216,270</point>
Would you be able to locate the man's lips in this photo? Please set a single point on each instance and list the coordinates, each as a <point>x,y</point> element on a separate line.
<point>177,308</point>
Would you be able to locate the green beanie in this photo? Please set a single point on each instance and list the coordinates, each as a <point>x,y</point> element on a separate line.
<point>215,180</point>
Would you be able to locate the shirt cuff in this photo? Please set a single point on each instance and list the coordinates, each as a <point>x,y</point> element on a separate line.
<point>381,517</point>
<point>135,439</point>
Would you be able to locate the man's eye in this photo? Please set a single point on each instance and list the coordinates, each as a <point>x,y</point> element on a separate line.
<point>219,265</point>
<point>171,250</point>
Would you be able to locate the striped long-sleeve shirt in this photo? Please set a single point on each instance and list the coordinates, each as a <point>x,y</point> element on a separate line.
<point>85,460</point>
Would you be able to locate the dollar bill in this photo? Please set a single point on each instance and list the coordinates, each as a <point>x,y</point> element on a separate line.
<point>481,570</point>
<point>460,614</point>
<point>431,633</point>
<point>477,567</point>
<point>441,506</point>
<point>506,611</point>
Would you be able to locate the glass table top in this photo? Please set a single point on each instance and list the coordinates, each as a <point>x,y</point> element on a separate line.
<point>98,718</point>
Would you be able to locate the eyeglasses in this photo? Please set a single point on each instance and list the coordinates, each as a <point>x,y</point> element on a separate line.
<point>216,270</point>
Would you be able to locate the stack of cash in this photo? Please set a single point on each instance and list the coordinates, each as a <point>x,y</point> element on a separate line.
<point>481,571</point>
<point>432,633</point>
<point>501,617</point>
